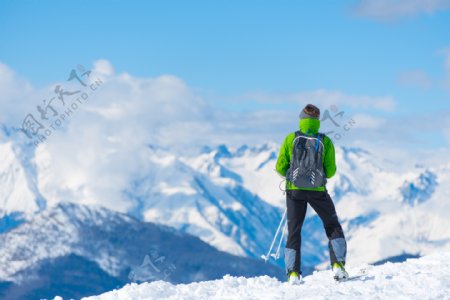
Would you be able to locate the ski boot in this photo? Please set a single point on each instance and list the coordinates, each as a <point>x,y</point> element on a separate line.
<point>294,278</point>
<point>339,271</point>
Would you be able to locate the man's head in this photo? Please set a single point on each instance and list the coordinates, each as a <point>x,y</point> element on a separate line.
<point>310,119</point>
<point>310,112</point>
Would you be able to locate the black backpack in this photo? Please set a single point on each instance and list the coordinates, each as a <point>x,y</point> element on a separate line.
<point>306,167</point>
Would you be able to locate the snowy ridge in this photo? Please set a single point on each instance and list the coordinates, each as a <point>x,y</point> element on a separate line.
<point>54,233</point>
<point>423,278</point>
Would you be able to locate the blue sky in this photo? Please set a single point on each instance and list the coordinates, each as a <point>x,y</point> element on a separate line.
<point>230,51</point>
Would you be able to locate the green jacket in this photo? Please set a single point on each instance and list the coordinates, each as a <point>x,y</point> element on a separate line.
<point>309,127</point>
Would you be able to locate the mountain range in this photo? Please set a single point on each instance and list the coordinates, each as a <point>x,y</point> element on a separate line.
<point>228,198</point>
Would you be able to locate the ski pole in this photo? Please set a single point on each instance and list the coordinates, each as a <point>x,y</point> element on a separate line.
<point>266,257</point>
<point>277,254</point>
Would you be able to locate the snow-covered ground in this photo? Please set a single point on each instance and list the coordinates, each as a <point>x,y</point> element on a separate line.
<point>424,278</point>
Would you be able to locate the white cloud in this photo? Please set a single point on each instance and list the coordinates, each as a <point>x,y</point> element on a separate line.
<point>447,134</point>
<point>94,159</point>
<point>96,154</point>
<point>326,98</point>
<point>103,146</point>
<point>98,151</point>
<point>386,10</point>
<point>13,92</point>
<point>7,74</point>
<point>364,121</point>
<point>414,78</point>
<point>103,67</point>
<point>446,128</point>
<point>400,134</point>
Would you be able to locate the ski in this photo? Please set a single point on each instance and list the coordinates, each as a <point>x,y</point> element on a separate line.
<point>361,275</point>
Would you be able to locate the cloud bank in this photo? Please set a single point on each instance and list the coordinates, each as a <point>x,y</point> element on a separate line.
<point>95,155</point>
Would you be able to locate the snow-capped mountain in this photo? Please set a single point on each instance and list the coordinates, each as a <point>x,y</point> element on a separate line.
<point>230,198</point>
<point>98,249</point>
<point>167,190</point>
<point>19,194</point>
<point>204,198</point>
<point>388,211</point>
<point>423,278</point>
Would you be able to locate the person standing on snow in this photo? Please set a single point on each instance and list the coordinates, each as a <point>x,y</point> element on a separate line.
<point>307,159</point>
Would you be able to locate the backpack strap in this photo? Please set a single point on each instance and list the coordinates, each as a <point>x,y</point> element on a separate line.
<point>297,134</point>
<point>319,136</point>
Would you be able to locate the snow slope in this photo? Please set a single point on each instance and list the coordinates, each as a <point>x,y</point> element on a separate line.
<point>424,278</point>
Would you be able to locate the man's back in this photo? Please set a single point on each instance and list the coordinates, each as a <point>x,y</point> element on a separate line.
<point>309,127</point>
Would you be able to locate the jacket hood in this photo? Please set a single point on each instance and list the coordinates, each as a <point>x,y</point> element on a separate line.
<point>309,126</point>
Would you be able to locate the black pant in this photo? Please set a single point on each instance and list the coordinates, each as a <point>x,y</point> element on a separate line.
<point>296,201</point>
